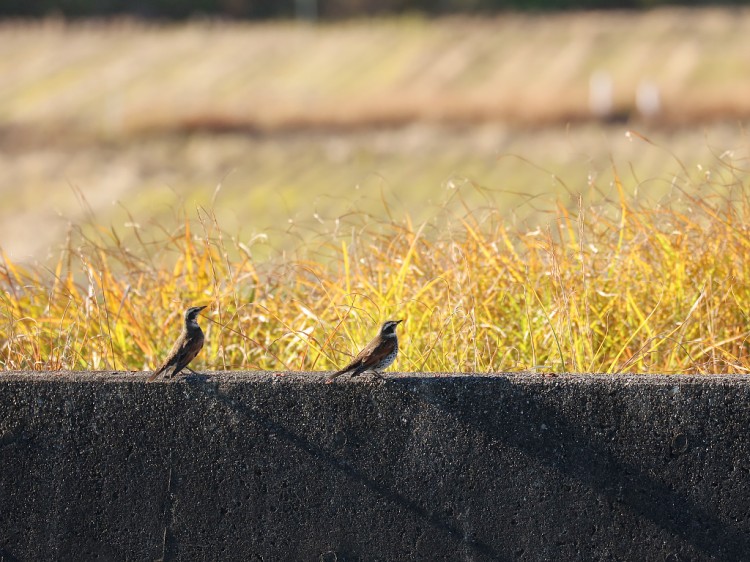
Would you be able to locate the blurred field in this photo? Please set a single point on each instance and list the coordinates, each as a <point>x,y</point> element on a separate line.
<point>119,78</point>
<point>300,122</point>
<point>290,187</point>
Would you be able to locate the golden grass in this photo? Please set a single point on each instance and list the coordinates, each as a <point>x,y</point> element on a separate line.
<point>607,287</point>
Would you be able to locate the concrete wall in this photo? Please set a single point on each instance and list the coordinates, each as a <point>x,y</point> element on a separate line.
<point>252,466</point>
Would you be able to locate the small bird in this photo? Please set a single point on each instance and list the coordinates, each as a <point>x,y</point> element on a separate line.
<point>376,356</point>
<point>185,348</point>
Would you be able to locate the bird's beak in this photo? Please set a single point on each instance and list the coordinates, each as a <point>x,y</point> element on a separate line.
<point>399,321</point>
<point>202,307</point>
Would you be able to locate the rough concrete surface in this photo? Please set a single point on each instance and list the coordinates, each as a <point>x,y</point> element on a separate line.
<point>259,466</point>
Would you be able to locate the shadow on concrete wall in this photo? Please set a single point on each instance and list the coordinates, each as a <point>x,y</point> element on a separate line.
<point>452,468</point>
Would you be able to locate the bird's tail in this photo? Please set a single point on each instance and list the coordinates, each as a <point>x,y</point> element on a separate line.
<point>332,376</point>
<point>156,373</point>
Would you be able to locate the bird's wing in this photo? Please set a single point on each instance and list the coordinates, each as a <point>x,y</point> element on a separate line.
<point>380,352</point>
<point>187,353</point>
<point>370,356</point>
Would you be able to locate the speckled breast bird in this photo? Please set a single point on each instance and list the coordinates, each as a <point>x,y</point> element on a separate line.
<point>379,354</point>
<point>184,350</point>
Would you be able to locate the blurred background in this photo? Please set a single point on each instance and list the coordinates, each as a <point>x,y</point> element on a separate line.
<point>283,119</point>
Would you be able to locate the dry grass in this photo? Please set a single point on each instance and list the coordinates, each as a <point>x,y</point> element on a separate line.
<point>612,287</point>
<point>607,283</point>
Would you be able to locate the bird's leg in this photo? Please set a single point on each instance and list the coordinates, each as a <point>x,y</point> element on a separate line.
<point>196,377</point>
<point>377,376</point>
